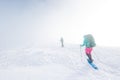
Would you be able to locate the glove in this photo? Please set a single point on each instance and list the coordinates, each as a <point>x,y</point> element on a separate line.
<point>81,45</point>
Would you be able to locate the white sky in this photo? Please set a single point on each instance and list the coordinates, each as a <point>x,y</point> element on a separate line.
<point>39,22</point>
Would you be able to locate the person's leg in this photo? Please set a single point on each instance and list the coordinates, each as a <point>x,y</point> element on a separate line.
<point>62,44</point>
<point>88,53</point>
<point>90,57</point>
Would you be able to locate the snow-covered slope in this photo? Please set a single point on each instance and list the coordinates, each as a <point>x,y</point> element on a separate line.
<point>56,63</point>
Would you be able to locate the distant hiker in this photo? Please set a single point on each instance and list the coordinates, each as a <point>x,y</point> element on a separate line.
<point>62,42</point>
<point>89,43</point>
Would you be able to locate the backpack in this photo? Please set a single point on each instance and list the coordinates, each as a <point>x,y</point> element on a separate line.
<point>90,41</point>
<point>93,44</point>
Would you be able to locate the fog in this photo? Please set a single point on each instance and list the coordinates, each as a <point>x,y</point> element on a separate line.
<point>29,23</point>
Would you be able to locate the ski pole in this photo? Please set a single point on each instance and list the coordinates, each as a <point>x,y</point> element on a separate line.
<point>98,58</point>
<point>81,53</point>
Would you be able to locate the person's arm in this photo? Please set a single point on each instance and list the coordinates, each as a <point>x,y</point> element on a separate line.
<point>84,42</point>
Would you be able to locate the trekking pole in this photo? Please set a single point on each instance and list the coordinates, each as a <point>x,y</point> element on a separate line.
<point>81,53</point>
<point>97,57</point>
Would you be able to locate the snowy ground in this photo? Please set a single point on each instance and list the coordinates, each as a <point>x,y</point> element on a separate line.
<point>56,63</point>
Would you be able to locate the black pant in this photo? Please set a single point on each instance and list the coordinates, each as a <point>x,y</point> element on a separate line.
<point>90,57</point>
